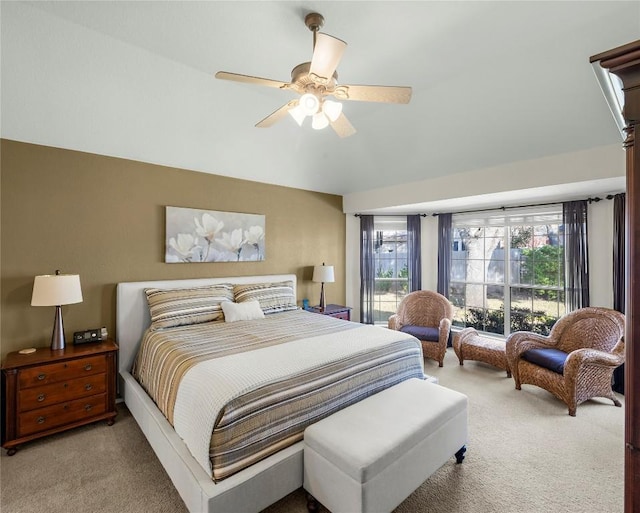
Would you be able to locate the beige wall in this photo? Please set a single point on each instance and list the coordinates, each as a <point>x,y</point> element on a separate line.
<point>103,218</point>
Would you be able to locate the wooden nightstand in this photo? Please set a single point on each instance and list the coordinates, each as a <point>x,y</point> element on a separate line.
<point>47,391</point>
<point>337,311</point>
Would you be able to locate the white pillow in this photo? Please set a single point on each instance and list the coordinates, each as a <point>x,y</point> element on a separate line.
<point>247,311</point>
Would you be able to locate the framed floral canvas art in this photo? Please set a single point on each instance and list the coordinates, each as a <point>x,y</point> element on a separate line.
<point>194,235</point>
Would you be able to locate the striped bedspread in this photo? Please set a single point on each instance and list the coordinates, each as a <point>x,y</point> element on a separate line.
<point>239,392</point>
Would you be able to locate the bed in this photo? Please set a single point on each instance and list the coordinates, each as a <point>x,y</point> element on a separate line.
<point>262,480</point>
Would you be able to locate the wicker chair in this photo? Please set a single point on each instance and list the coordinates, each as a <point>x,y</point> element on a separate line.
<point>592,338</point>
<point>426,315</point>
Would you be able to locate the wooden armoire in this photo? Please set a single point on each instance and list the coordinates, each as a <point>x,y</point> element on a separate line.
<point>624,62</point>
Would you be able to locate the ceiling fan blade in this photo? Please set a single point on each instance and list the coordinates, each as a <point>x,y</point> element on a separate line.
<point>327,53</point>
<point>342,126</point>
<point>368,93</point>
<point>277,115</point>
<point>236,77</point>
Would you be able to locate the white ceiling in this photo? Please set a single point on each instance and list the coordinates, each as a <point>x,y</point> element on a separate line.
<point>493,83</point>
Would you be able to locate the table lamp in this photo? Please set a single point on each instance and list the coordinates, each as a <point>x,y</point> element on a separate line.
<point>56,290</point>
<point>323,274</point>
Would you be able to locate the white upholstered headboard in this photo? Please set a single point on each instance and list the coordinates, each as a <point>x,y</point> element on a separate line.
<point>132,311</point>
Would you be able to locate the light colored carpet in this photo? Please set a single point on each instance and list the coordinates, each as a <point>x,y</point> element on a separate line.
<point>525,455</point>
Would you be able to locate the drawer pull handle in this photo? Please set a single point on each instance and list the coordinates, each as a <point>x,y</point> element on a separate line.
<point>88,386</point>
<point>87,367</point>
<point>41,398</point>
<point>40,420</point>
<point>88,407</point>
<point>41,377</point>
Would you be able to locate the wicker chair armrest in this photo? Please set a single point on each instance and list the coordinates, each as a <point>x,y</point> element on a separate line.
<point>521,341</point>
<point>445,325</point>
<point>524,345</point>
<point>394,322</point>
<point>588,356</point>
<point>444,328</point>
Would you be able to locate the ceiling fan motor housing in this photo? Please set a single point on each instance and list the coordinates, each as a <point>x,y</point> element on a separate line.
<point>303,82</point>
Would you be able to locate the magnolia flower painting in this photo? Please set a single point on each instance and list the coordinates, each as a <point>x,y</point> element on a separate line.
<point>194,235</point>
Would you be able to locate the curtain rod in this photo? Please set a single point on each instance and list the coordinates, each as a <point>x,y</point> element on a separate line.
<point>595,199</point>
<point>390,215</point>
<point>589,200</point>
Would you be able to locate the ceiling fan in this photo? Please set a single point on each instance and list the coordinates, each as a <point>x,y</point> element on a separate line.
<point>318,79</point>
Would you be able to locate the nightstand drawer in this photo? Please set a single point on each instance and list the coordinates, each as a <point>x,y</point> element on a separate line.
<point>342,315</point>
<point>50,417</point>
<point>54,372</point>
<point>46,395</point>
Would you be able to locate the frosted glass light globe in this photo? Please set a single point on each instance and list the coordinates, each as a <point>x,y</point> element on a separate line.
<point>309,104</point>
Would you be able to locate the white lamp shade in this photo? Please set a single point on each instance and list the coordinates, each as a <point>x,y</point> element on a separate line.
<point>56,289</point>
<point>297,114</point>
<point>320,121</point>
<point>323,274</point>
<point>332,109</point>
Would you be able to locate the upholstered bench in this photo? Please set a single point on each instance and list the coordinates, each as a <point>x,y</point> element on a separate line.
<point>469,345</point>
<point>372,455</point>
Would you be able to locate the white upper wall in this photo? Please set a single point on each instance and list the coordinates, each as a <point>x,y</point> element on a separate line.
<point>559,177</point>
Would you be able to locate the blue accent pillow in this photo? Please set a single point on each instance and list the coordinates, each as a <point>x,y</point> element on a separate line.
<point>552,359</point>
<point>422,332</point>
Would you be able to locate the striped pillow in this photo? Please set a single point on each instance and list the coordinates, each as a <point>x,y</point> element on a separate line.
<point>180,307</point>
<point>273,297</point>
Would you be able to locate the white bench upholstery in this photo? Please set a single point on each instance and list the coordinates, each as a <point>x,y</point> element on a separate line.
<point>371,456</point>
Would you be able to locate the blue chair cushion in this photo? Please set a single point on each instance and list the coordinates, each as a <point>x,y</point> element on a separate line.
<point>422,332</point>
<point>552,359</point>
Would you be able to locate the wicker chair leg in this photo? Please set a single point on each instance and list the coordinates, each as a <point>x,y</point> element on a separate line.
<point>508,373</point>
<point>572,411</point>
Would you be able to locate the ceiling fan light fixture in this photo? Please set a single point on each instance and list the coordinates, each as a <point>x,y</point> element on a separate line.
<point>320,121</point>
<point>297,114</point>
<point>315,80</point>
<point>309,104</point>
<point>332,109</point>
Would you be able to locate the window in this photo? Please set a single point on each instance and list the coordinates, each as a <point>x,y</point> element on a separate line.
<point>391,267</point>
<point>507,270</point>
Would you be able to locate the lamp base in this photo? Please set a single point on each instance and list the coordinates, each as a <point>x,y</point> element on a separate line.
<point>322,300</point>
<point>57,337</point>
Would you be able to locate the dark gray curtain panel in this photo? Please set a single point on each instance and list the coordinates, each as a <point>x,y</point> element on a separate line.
<point>367,271</point>
<point>444,253</point>
<point>574,218</point>
<point>413,252</point>
<point>619,272</point>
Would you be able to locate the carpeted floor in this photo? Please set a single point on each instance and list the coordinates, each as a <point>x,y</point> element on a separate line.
<point>525,455</point>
